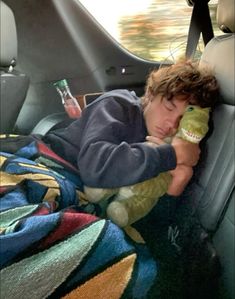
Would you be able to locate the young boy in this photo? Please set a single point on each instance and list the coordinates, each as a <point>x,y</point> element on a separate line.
<point>108,142</point>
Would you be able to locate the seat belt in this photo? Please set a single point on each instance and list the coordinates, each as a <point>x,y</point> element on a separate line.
<point>200,23</point>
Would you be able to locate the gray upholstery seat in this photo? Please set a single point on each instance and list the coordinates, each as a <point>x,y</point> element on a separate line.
<point>215,186</point>
<point>51,122</point>
<point>14,85</point>
<point>219,54</point>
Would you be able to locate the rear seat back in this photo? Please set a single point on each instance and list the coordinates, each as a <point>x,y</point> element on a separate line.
<point>214,188</point>
<point>223,241</point>
<point>216,174</point>
<point>216,181</point>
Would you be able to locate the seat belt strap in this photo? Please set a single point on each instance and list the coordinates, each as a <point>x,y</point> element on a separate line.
<point>200,23</point>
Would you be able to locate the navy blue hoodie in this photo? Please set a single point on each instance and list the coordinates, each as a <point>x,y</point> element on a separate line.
<point>107,143</point>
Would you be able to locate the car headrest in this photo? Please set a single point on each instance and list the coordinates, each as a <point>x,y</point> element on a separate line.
<point>226,15</point>
<point>219,53</point>
<point>8,45</point>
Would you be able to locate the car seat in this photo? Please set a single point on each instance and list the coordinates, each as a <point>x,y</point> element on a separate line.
<point>216,181</point>
<point>198,255</point>
<point>203,219</point>
<point>14,85</point>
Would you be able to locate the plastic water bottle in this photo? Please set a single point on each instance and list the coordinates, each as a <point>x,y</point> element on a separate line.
<point>70,103</point>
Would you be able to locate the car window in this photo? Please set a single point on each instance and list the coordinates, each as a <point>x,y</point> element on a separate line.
<point>151,29</point>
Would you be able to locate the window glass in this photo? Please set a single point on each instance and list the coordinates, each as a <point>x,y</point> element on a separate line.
<point>151,29</point>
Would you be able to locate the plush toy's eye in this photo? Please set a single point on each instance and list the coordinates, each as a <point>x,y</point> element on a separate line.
<point>190,109</point>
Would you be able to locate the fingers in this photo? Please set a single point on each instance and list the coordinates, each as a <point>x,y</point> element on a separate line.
<point>155,140</point>
<point>186,152</point>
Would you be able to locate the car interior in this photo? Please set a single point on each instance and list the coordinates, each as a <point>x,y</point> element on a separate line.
<point>45,41</point>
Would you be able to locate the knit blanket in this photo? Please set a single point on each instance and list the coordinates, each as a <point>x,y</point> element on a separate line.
<point>53,243</point>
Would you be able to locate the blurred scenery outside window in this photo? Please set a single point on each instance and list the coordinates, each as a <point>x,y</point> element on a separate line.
<point>151,29</point>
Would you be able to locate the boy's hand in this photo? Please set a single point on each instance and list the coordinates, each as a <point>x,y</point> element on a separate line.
<point>155,140</point>
<point>187,153</point>
<point>181,175</point>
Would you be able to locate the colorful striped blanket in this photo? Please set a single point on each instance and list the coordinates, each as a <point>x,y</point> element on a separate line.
<point>53,243</point>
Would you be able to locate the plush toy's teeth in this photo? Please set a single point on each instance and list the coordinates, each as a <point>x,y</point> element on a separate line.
<point>191,136</point>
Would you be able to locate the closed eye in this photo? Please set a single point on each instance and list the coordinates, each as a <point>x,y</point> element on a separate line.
<point>168,105</point>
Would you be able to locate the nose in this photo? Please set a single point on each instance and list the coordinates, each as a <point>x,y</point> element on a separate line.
<point>172,124</point>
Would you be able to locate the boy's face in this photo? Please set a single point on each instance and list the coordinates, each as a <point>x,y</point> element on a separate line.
<point>162,116</point>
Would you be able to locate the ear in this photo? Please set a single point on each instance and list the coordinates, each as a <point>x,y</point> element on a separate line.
<point>148,97</point>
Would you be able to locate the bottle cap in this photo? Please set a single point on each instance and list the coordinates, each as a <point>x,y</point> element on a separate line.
<point>61,83</point>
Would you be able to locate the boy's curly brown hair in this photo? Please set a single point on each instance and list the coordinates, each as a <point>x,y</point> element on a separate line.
<point>199,85</point>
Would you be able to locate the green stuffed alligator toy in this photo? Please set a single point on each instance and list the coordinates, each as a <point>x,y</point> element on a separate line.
<point>133,202</point>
